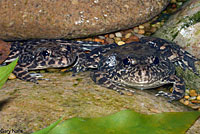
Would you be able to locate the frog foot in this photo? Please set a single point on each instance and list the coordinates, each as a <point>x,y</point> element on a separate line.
<point>23,74</point>
<point>171,97</point>
<point>178,88</point>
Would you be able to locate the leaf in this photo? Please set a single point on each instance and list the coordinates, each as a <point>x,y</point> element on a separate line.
<point>5,72</point>
<point>49,128</point>
<point>129,122</point>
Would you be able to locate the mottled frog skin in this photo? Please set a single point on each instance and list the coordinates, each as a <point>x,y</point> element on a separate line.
<point>146,64</point>
<point>43,54</point>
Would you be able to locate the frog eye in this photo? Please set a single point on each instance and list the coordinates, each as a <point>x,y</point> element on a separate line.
<point>126,61</point>
<point>45,53</point>
<point>156,60</point>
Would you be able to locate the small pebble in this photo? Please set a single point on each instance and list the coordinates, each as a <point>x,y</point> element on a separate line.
<point>174,6</point>
<point>130,94</point>
<point>179,3</point>
<point>106,35</point>
<point>173,1</point>
<point>11,76</point>
<point>99,40</point>
<point>141,27</point>
<point>187,91</point>
<point>117,39</point>
<point>186,97</point>
<point>141,31</point>
<point>146,25</point>
<point>162,23</point>
<point>120,43</point>
<point>102,37</point>
<point>153,25</point>
<point>123,39</point>
<point>132,38</point>
<point>88,39</point>
<point>192,98</point>
<point>193,93</point>
<point>198,97</point>
<point>128,35</point>
<point>111,36</point>
<point>109,40</point>
<point>158,23</point>
<point>118,34</point>
<point>135,29</point>
<point>186,102</point>
<point>195,101</point>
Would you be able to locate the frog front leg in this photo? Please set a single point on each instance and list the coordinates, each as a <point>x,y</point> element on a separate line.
<point>178,88</point>
<point>107,81</point>
<point>23,74</point>
<point>83,63</point>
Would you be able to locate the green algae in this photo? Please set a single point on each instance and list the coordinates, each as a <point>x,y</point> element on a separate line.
<point>191,80</point>
<point>78,80</point>
<point>185,23</point>
<point>171,31</point>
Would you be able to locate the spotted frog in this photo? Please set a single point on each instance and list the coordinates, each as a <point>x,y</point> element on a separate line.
<point>43,54</point>
<point>146,64</point>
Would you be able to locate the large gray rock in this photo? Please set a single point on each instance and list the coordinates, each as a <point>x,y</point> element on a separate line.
<point>30,107</point>
<point>184,29</point>
<point>24,19</point>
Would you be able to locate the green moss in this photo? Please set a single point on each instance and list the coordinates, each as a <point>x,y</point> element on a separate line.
<point>191,20</point>
<point>174,35</point>
<point>78,80</point>
<point>182,23</point>
<point>197,32</point>
<point>192,81</point>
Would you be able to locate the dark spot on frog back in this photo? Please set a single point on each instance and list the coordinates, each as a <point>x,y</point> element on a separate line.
<point>43,63</point>
<point>51,62</point>
<point>134,49</point>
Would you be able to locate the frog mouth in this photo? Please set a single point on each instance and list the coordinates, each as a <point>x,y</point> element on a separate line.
<point>143,85</point>
<point>147,86</point>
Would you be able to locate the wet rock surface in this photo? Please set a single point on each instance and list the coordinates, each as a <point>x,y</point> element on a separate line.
<point>30,107</point>
<point>24,19</point>
<point>184,29</point>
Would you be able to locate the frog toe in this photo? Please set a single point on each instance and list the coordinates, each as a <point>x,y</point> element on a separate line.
<point>170,96</point>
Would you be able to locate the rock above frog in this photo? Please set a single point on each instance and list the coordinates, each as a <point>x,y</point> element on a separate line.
<point>146,64</point>
<point>24,19</point>
<point>183,28</point>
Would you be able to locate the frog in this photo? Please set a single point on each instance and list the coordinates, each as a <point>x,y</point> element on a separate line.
<point>146,64</point>
<point>36,54</point>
